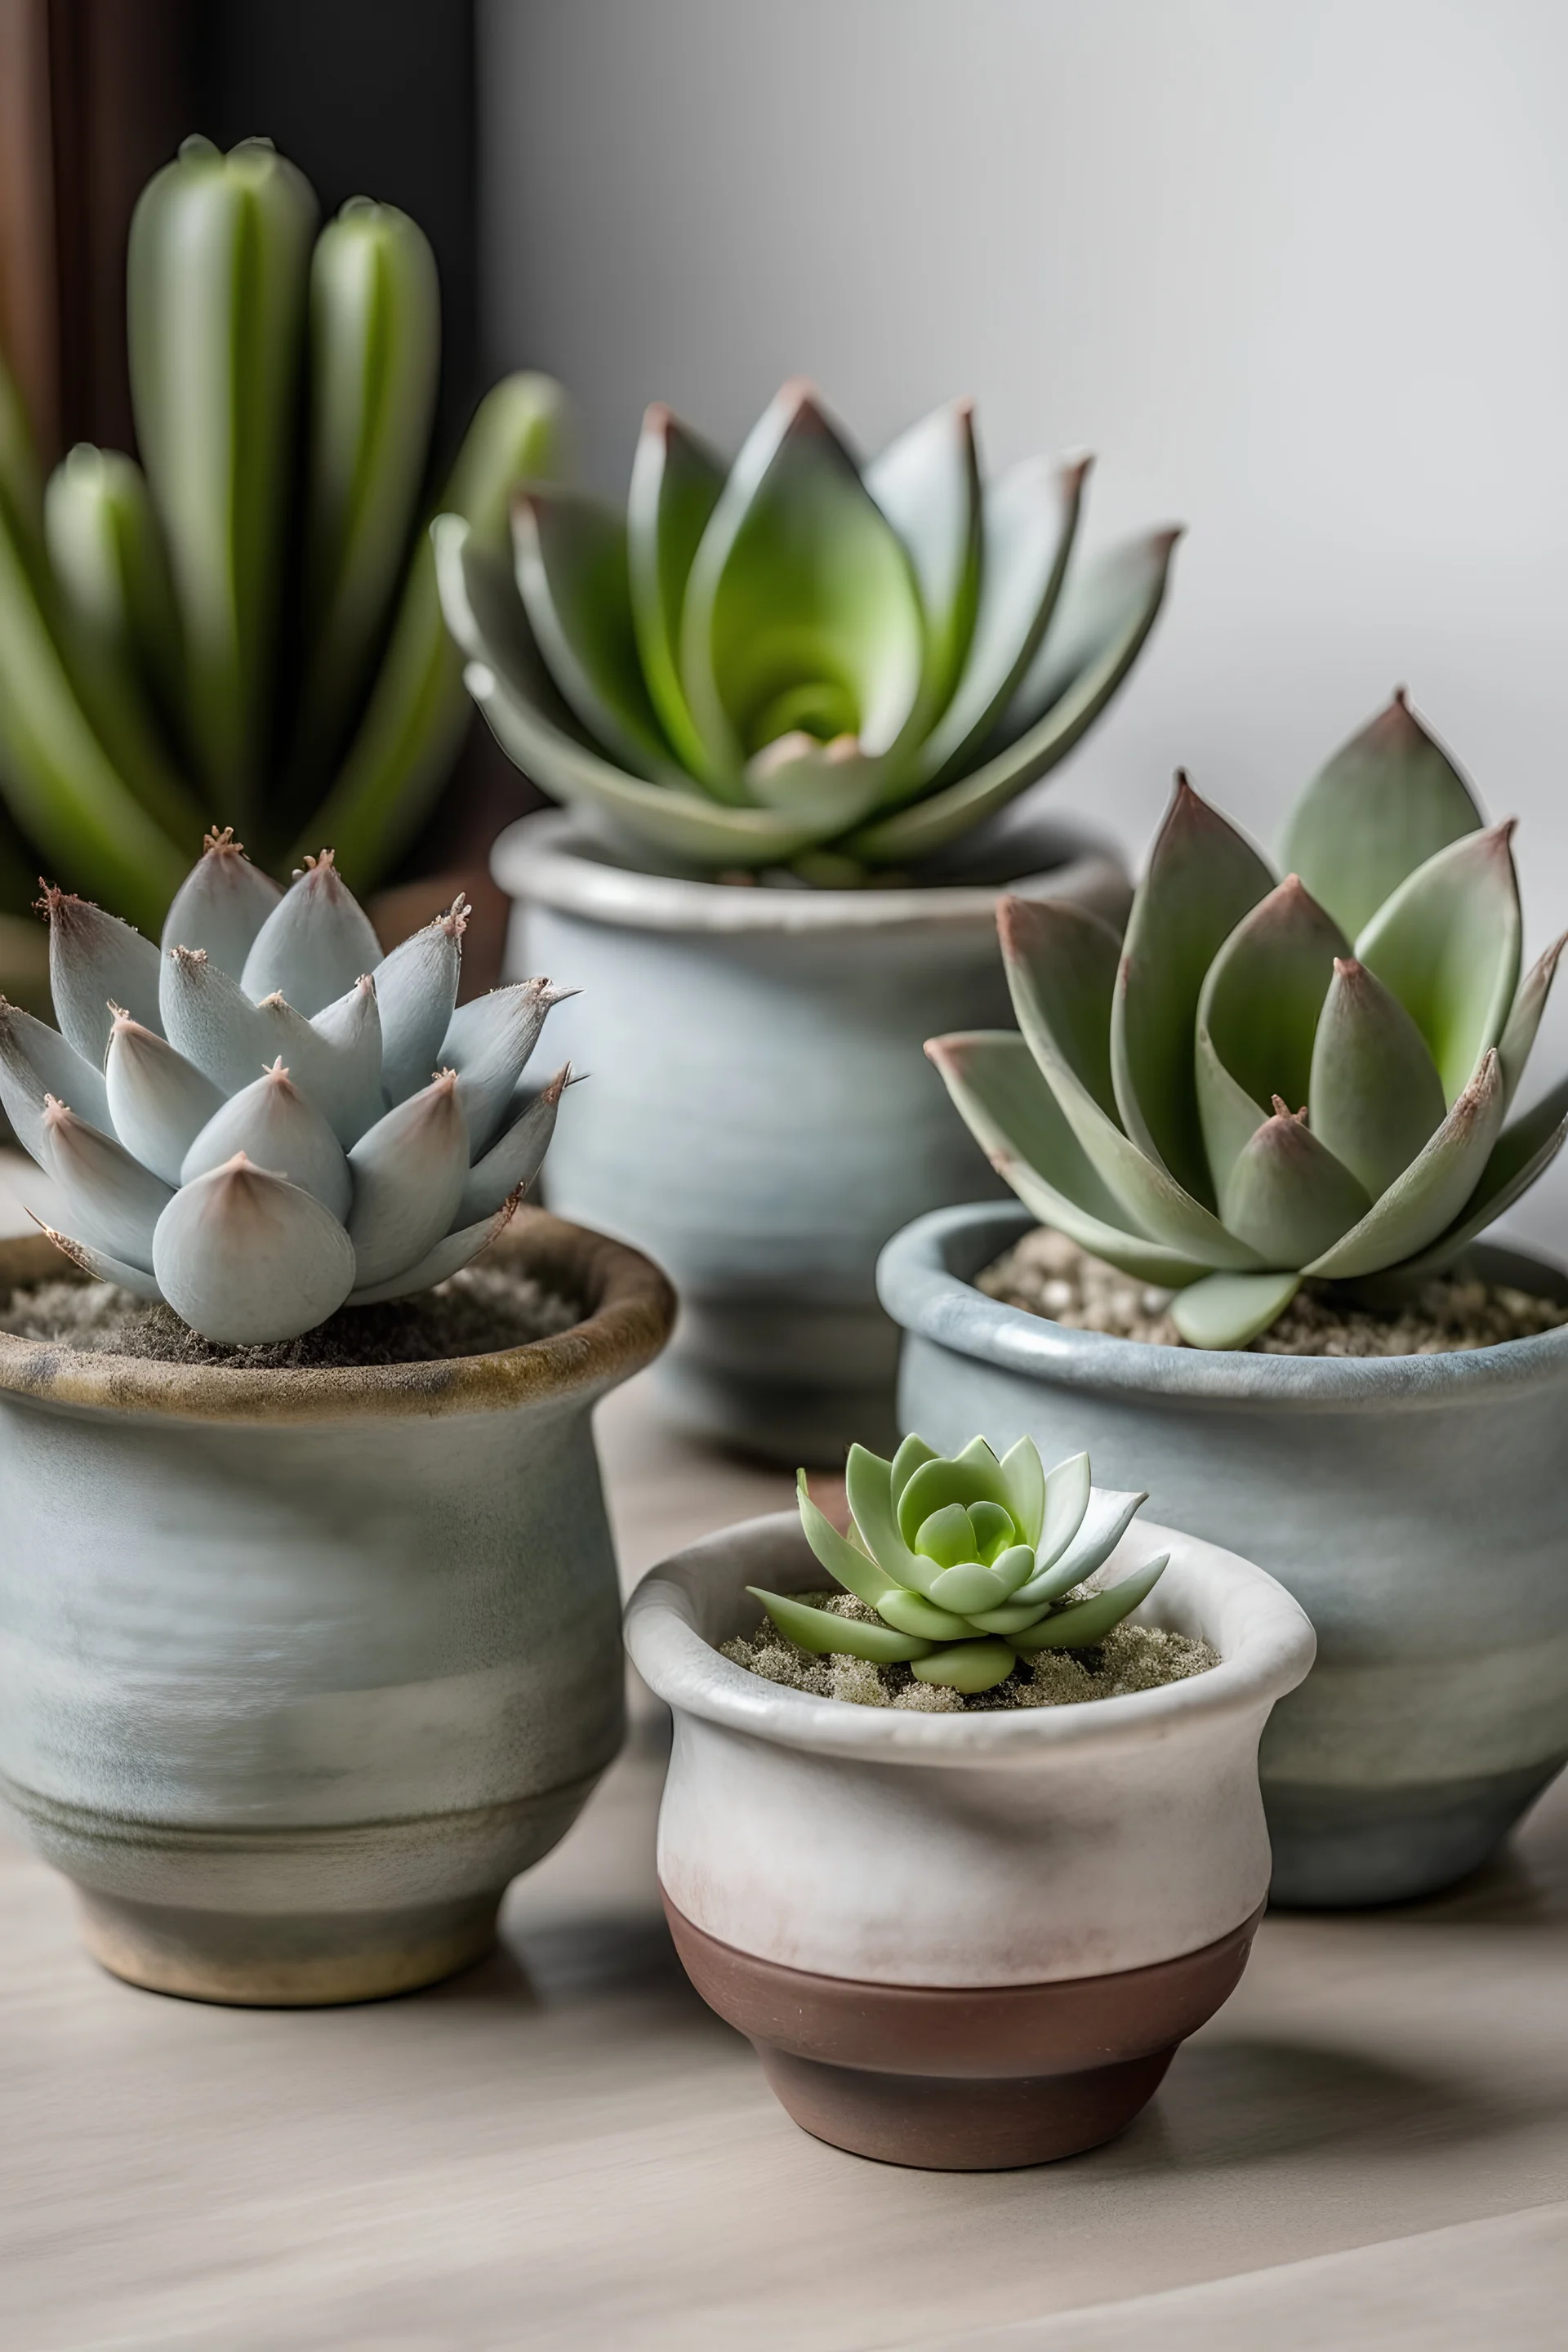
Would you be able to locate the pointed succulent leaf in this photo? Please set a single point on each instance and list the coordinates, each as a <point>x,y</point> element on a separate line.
<point>909,1613</point>
<point>314,945</point>
<point>272,1124</point>
<point>1104,615</point>
<point>1447,944</point>
<point>1524,1020</point>
<point>1203,878</point>
<point>968,1666</point>
<point>221,904</point>
<point>1387,802</point>
<point>338,1058</point>
<point>1066,1498</point>
<point>927,483</point>
<point>824,1635</point>
<point>1434,1189</point>
<point>207,1017</point>
<point>1028,1490</point>
<point>415,990</point>
<point>844,1561</point>
<point>965,1479</point>
<point>94,958</point>
<point>1014,1118</point>
<point>1085,1623</point>
<point>247,1258</point>
<point>801,608</point>
<point>1106,1519</point>
<point>994,1532</point>
<point>1287,1195</point>
<point>488,1043</point>
<point>1522,1154</point>
<point>450,1256</point>
<point>100,1263</point>
<point>868,1485</point>
<point>36,1061</point>
<point>158,1101</point>
<point>1374,1097</point>
<point>216,285</point>
<point>107,1198</point>
<point>1061,971</point>
<point>1227,1310</point>
<point>913,1451</point>
<point>408,1175</point>
<point>1029,522</point>
<point>1262,994</point>
<point>513,1162</point>
<point>573,576</point>
<point>676,482</point>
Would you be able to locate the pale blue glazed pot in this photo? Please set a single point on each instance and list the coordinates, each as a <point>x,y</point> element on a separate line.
<point>1415,1506</point>
<point>760,1115</point>
<point>299,1668</point>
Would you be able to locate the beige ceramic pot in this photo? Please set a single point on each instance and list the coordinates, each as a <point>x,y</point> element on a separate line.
<point>299,1668</point>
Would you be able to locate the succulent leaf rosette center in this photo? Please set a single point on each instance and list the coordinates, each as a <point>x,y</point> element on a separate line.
<point>269,1119</point>
<point>969,1562</point>
<point>1269,1082</point>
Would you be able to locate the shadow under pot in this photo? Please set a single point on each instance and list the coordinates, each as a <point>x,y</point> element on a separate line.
<point>969,1940</point>
<point>299,1668</point>
<point>1414,1505</point>
<point>761,1115</point>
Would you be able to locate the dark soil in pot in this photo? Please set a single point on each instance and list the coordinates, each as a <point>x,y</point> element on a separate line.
<point>1131,1658</point>
<point>1048,1274</point>
<point>479,1311</point>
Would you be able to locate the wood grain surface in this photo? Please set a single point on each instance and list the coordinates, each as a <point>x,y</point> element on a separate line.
<point>563,2151</point>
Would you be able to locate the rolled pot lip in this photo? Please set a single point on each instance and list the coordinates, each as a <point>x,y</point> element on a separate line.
<point>552,858</point>
<point>630,1314</point>
<point>682,1667</point>
<point>921,1283</point>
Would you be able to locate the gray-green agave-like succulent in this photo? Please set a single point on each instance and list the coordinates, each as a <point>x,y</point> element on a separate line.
<point>967,1560</point>
<point>270,1119</point>
<point>1271,1082</point>
<point>795,656</point>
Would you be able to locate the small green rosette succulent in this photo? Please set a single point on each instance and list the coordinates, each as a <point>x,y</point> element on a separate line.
<point>270,1119</point>
<point>244,628</point>
<point>796,659</point>
<point>1270,1082</point>
<point>967,1560</point>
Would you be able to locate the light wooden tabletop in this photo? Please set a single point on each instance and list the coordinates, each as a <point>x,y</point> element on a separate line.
<point>563,2151</point>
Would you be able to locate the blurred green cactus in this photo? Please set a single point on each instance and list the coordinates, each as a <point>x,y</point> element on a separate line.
<point>244,629</point>
<point>968,1562</point>
<point>1271,1082</point>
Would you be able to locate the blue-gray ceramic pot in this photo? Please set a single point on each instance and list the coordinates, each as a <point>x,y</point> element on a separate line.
<point>1415,1506</point>
<point>759,1113</point>
<point>299,1668</point>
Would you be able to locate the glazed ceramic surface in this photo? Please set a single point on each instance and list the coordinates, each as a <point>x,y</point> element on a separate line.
<point>1414,1505</point>
<point>980,1849</point>
<point>298,1669</point>
<point>760,1114</point>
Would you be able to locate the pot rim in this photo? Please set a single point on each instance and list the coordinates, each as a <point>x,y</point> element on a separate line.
<point>630,1312</point>
<point>923,1280</point>
<point>552,858</point>
<point>1276,1648</point>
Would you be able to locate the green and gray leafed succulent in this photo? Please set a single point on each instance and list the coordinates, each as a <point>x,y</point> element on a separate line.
<point>269,1119</point>
<point>797,658</point>
<point>247,631</point>
<point>1272,1081</point>
<point>969,1562</point>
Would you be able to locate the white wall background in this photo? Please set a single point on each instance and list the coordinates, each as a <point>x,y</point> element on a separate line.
<point>1296,270</point>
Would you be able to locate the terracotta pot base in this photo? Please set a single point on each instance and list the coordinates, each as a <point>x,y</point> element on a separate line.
<point>963,2080</point>
<point>314,1961</point>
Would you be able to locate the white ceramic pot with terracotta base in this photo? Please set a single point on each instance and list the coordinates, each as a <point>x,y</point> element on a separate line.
<point>964,1941</point>
<point>759,1113</point>
<point>298,1669</point>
